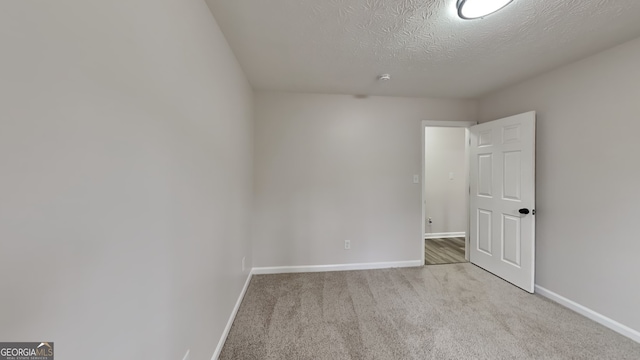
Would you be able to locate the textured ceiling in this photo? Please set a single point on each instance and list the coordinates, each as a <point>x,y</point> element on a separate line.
<point>341,46</point>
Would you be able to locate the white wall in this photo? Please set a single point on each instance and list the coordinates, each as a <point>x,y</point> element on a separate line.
<point>125,177</point>
<point>445,198</point>
<point>588,173</point>
<point>335,167</point>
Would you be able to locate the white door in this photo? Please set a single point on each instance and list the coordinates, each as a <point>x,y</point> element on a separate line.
<point>502,200</point>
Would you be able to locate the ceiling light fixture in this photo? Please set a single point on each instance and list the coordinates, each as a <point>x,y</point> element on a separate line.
<point>474,9</point>
<point>384,77</point>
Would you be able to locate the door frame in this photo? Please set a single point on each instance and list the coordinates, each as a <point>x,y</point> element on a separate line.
<point>451,124</point>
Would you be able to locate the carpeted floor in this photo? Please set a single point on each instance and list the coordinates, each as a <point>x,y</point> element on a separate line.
<point>436,312</point>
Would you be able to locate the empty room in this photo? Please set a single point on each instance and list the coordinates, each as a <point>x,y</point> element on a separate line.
<point>247,179</point>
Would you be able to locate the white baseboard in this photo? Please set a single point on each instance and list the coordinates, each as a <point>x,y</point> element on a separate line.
<point>337,267</point>
<point>444,235</point>
<point>225,333</point>
<point>585,311</point>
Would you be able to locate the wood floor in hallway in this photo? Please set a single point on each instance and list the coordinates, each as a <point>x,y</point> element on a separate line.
<point>444,251</point>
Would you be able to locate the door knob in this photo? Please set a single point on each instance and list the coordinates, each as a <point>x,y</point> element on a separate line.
<point>523,211</point>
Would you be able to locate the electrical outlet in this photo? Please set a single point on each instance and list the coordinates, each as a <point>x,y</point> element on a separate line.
<point>186,356</point>
<point>347,244</point>
<point>243,258</point>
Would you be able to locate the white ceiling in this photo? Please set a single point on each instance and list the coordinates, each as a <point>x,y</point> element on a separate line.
<point>341,46</point>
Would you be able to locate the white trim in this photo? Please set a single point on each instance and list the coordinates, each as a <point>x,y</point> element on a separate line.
<point>433,123</point>
<point>337,267</point>
<point>232,317</point>
<point>423,205</point>
<point>444,235</point>
<point>467,186</point>
<point>595,316</point>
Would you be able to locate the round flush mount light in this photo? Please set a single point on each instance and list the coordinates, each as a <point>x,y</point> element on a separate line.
<point>474,9</point>
<point>384,77</point>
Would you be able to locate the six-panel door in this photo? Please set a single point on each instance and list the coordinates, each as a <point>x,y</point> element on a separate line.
<point>502,180</point>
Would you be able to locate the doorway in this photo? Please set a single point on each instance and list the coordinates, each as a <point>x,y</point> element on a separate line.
<point>445,192</point>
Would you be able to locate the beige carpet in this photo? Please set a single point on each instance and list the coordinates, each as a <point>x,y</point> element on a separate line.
<point>436,312</point>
